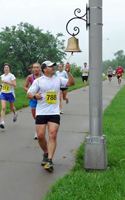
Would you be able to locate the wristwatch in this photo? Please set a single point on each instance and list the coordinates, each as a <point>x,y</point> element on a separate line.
<point>34,97</point>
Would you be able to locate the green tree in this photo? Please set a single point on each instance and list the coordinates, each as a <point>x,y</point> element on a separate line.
<point>120,58</point>
<point>119,54</point>
<point>23,45</point>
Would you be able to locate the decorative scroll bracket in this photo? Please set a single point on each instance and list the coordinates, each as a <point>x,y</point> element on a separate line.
<point>85,18</point>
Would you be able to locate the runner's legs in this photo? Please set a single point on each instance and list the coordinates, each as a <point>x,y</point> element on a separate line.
<point>84,83</point>
<point>12,107</point>
<point>3,104</point>
<point>33,110</point>
<point>41,131</point>
<point>52,130</point>
<point>64,94</point>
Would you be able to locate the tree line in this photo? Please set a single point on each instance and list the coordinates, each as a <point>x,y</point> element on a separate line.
<point>119,59</point>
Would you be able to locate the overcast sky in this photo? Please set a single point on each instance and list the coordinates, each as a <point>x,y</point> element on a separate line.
<point>53,15</point>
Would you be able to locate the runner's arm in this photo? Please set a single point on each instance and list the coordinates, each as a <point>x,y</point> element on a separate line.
<point>31,96</point>
<point>33,91</point>
<point>13,82</point>
<point>71,80</point>
<point>81,70</point>
<point>27,83</point>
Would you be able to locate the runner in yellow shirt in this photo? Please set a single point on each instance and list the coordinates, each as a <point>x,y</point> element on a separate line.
<point>7,93</point>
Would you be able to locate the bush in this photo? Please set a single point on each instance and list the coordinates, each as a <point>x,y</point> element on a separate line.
<point>75,70</point>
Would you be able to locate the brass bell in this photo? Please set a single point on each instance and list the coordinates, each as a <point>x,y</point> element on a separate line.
<point>73,45</point>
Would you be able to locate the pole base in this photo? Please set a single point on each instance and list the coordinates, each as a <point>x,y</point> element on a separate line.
<point>95,156</point>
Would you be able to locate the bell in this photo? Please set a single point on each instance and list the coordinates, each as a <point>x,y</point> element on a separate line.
<point>73,45</point>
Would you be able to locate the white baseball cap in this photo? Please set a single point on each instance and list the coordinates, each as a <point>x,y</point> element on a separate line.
<point>48,63</point>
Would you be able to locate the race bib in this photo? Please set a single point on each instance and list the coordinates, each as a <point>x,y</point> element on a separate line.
<point>51,97</point>
<point>6,88</point>
<point>119,74</point>
<point>85,72</point>
<point>110,72</point>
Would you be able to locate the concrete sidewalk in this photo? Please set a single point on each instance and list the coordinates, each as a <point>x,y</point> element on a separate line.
<point>22,177</point>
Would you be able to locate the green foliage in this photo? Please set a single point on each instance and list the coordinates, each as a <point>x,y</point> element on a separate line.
<point>75,70</point>
<point>98,185</point>
<point>23,45</point>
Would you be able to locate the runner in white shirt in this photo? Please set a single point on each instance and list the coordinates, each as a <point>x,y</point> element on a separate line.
<point>47,88</point>
<point>7,93</point>
<point>85,74</point>
<point>63,89</point>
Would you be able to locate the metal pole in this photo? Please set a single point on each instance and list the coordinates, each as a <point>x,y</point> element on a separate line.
<point>95,147</point>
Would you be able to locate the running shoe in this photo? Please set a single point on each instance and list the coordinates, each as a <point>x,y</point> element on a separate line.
<point>15,117</point>
<point>67,101</point>
<point>49,165</point>
<point>35,137</point>
<point>2,126</point>
<point>61,112</point>
<point>45,158</point>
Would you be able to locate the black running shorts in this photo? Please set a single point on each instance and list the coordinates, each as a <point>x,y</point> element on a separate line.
<point>44,119</point>
<point>109,75</point>
<point>64,89</point>
<point>84,78</point>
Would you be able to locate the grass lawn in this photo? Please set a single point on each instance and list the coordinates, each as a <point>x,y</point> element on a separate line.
<point>99,185</point>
